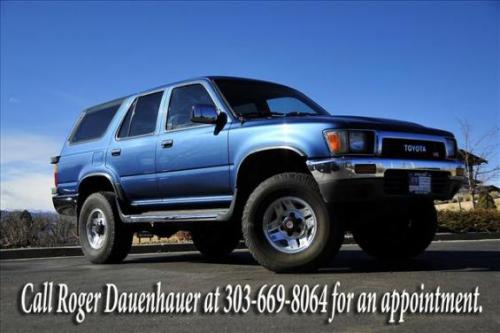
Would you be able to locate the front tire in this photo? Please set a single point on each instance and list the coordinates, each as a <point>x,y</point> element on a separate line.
<point>103,237</point>
<point>398,236</point>
<point>287,226</point>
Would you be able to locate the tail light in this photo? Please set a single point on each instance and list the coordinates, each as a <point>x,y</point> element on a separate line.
<point>54,160</point>
<point>56,177</point>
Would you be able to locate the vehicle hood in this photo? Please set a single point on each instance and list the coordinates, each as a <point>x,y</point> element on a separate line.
<point>386,125</point>
<point>356,122</point>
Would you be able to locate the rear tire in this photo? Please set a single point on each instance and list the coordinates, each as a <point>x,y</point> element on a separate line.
<point>217,239</point>
<point>288,208</point>
<point>103,236</point>
<point>397,237</point>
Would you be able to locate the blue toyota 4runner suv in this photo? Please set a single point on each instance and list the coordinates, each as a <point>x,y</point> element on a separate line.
<point>227,158</point>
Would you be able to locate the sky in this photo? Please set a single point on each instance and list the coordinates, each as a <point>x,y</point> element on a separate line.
<point>427,62</point>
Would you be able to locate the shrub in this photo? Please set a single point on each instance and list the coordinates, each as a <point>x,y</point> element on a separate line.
<point>183,236</point>
<point>485,201</point>
<point>477,220</point>
<point>21,229</point>
<point>25,229</point>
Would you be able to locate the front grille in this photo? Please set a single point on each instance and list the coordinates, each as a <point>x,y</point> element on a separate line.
<point>417,149</point>
<point>396,182</point>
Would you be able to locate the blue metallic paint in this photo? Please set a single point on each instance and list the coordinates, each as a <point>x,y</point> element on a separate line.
<point>202,164</point>
<point>196,163</point>
<point>135,166</point>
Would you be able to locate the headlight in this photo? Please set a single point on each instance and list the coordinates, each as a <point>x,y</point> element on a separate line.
<point>350,141</point>
<point>451,147</point>
<point>359,142</point>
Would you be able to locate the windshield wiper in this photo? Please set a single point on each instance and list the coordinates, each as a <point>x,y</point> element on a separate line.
<point>298,114</point>
<point>261,114</point>
<point>267,114</point>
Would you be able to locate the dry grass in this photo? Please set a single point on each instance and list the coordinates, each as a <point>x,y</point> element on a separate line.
<point>467,205</point>
<point>179,237</point>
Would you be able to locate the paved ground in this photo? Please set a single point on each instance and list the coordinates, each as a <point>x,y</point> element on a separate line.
<point>455,266</point>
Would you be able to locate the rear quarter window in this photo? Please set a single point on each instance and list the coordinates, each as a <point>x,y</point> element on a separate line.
<point>94,123</point>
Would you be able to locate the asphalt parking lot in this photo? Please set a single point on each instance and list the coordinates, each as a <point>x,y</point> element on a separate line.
<point>453,265</point>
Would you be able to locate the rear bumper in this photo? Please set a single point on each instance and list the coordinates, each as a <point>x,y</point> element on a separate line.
<point>65,204</point>
<point>339,180</point>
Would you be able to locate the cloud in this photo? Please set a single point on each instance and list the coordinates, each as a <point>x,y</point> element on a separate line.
<point>29,191</point>
<point>27,148</point>
<point>26,174</point>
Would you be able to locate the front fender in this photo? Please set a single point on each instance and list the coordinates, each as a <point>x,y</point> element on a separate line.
<point>248,138</point>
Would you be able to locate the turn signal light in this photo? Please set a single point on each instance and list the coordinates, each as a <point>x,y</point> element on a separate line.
<point>365,168</point>
<point>337,141</point>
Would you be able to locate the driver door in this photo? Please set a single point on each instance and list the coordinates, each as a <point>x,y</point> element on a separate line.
<point>191,158</point>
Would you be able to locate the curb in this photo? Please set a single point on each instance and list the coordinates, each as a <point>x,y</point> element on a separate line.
<point>466,236</point>
<point>73,251</point>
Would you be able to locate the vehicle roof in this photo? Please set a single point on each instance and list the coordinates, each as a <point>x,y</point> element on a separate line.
<point>199,78</point>
<point>205,78</point>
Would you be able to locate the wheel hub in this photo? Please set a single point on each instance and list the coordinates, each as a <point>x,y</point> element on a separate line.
<point>96,227</point>
<point>289,224</point>
<point>99,229</point>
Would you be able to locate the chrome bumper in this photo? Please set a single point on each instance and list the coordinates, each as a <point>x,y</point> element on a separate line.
<point>339,181</point>
<point>343,167</point>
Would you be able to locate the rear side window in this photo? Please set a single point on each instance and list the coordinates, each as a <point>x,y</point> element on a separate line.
<point>94,123</point>
<point>142,115</point>
<point>181,105</point>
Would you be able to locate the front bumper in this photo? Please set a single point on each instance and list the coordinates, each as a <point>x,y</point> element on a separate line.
<point>65,204</point>
<point>340,180</point>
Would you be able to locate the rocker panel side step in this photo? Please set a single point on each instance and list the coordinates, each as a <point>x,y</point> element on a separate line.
<point>197,215</point>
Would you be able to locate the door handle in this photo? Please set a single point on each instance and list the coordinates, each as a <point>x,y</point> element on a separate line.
<point>116,152</point>
<point>167,143</point>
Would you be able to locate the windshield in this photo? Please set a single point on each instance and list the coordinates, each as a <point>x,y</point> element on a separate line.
<point>252,99</point>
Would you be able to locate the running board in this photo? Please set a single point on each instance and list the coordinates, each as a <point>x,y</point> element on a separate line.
<point>198,215</point>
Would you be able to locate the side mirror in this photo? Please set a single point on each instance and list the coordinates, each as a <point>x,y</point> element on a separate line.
<point>204,114</point>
